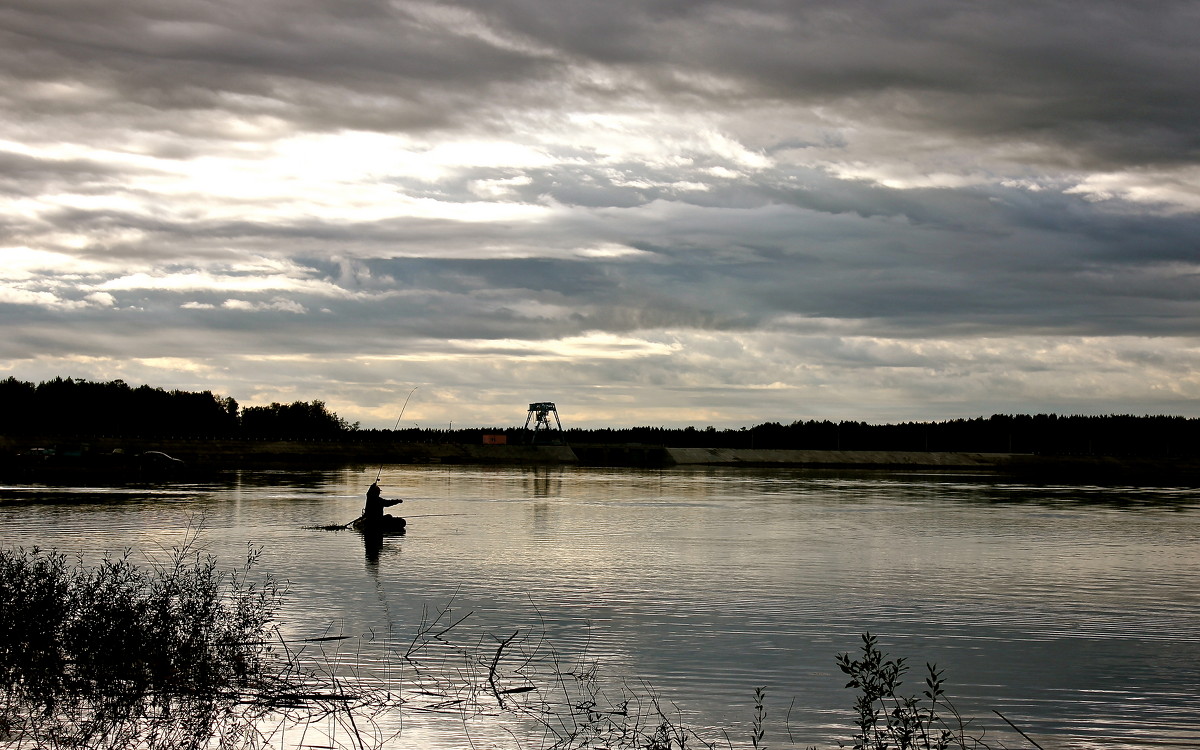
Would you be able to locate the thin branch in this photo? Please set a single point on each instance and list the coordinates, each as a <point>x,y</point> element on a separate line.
<point>495,662</point>
<point>1019,731</point>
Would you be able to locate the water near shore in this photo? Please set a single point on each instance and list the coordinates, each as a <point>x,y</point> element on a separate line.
<point>1071,609</point>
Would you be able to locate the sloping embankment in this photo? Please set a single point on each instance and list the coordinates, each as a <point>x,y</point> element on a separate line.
<point>1132,470</point>
<point>860,459</point>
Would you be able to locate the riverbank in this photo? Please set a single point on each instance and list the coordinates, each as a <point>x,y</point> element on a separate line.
<point>250,453</point>
<point>1073,469</point>
<point>127,456</point>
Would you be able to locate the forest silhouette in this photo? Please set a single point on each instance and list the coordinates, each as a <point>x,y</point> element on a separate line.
<point>75,408</point>
<point>81,408</point>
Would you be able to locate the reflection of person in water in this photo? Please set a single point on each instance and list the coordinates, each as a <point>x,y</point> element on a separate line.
<point>372,546</point>
<point>373,513</point>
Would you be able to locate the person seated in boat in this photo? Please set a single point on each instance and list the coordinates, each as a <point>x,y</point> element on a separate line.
<point>373,513</point>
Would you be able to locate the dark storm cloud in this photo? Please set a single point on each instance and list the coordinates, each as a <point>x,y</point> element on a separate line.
<point>1098,83</point>
<point>1106,82</point>
<point>364,64</point>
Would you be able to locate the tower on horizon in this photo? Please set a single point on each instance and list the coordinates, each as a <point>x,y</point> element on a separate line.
<point>540,413</point>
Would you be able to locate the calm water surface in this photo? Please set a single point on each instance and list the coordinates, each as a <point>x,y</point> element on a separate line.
<point>1074,611</point>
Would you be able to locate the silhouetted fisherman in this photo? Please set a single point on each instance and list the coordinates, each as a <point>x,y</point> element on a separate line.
<point>373,513</point>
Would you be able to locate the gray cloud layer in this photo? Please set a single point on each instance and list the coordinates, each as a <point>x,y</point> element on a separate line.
<point>658,212</point>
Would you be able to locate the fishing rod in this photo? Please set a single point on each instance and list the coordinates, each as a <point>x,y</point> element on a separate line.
<point>378,473</point>
<point>402,408</point>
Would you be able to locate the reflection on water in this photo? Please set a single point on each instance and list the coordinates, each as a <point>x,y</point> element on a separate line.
<point>373,545</point>
<point>1073,610</point>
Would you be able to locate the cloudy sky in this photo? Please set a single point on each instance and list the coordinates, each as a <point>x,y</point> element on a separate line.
<point>652,212</point>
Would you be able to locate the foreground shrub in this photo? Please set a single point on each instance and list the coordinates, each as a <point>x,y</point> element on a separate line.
<point>118,655</point>
<point>886,718</point>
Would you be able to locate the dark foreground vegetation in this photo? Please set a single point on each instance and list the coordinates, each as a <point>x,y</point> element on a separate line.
<point>178,654</point>
<point>73,409</point>
<point>118,655</point>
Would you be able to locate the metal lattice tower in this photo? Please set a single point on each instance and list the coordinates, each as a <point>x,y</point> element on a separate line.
<point>539,414</point>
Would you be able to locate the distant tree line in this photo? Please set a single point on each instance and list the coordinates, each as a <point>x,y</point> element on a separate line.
<point>74,408</point>
<point>1046,434</point>
<point>78,408</point>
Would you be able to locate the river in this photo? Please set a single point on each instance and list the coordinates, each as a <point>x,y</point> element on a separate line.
<point>1072,610</point>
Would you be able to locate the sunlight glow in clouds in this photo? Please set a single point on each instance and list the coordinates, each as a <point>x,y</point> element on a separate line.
<point>1176,192</point>
<point>207,282</point>
<point>571,349</point>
